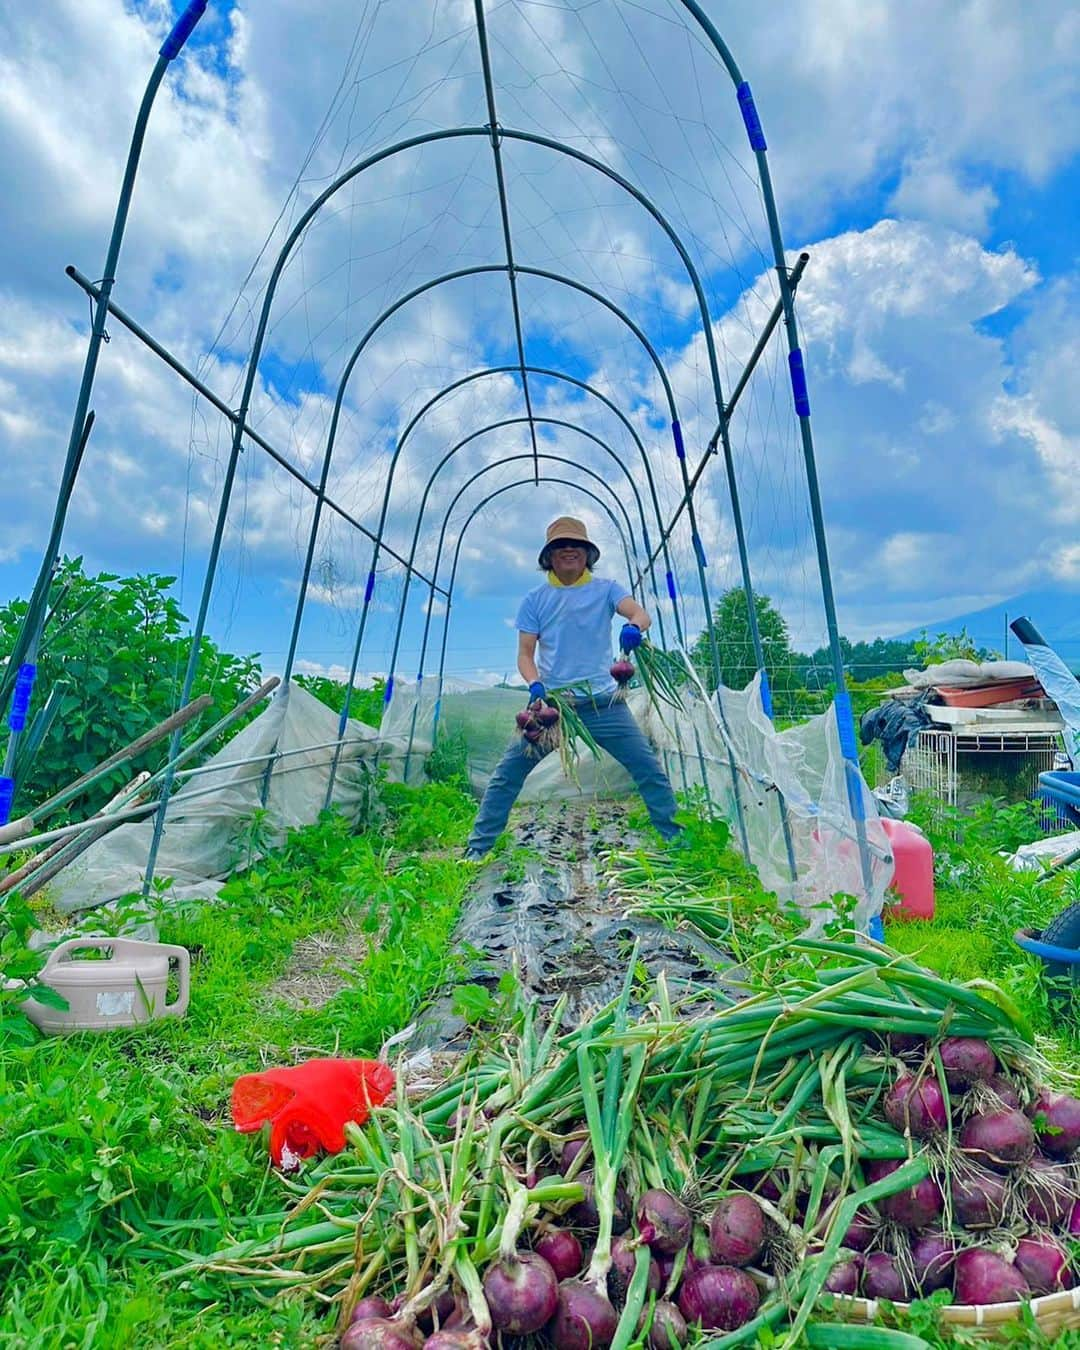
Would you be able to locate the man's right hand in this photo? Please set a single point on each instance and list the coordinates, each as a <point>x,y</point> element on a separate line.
<point>537,692</point>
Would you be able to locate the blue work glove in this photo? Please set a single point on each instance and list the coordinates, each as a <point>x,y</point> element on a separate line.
<point>537,692</point>
<point>630,637</point>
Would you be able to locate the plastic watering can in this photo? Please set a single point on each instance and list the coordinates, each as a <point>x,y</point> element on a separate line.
<point>125,988</point>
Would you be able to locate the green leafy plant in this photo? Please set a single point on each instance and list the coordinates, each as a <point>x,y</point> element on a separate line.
<point>118,649</point>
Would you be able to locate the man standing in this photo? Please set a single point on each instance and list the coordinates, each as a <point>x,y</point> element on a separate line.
<point>564,640</point>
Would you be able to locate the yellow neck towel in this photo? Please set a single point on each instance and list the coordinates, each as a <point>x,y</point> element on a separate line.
<point>553,580</point>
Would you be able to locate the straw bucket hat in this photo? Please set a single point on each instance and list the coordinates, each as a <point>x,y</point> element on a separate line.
<point>572,531</point>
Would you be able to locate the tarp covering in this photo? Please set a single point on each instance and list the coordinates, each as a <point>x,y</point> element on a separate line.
<point>200,845</point>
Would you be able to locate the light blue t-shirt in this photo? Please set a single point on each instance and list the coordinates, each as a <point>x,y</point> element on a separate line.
<point>573,624</point>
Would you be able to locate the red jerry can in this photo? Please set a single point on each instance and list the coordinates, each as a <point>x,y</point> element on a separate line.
<point>913,881</point>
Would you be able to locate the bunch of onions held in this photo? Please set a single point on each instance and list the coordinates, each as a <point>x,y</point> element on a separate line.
<point>539,726</point>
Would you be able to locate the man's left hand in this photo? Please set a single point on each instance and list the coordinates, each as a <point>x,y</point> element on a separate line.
<point>630,637</point>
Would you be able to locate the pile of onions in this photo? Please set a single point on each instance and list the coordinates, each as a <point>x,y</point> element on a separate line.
<point>1011,1171</point>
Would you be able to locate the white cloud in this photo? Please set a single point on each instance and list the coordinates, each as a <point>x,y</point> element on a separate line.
<point>930,191</point>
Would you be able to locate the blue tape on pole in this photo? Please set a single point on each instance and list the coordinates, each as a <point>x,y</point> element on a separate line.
<point>7,796</point>
<point>680,448</point>
<point>845,725</point>
<point>648,542</point>
<point>671,586</point>
<point>389,694</point>
<point>699,548</point>
<point>750,117</point>
<point>20,698</point>
<point>798,382</point>
<point>766,694</point>
<point>369,588</point>
<point>419,680</point>
<point>182,29</point>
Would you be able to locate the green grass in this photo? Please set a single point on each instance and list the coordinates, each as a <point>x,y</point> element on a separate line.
<point>117,1151</point>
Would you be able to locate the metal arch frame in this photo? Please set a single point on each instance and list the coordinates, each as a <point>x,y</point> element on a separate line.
<point>842,701</point>
<point>446,628</point>
<point>458,274</point>
<point>171,48</point>
<point>387,152</point>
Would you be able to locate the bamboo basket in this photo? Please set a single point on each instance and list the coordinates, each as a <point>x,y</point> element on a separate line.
<point>1054,1313</point>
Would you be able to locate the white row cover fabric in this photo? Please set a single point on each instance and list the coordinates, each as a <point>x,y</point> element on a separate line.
<point>199,847</point>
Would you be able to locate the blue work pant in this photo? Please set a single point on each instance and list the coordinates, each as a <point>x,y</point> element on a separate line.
<point>611,724</point>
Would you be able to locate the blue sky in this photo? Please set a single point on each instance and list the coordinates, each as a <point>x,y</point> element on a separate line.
<point>926,156</point>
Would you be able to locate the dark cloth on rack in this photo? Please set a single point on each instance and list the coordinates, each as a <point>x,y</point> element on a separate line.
<point>895,724</point>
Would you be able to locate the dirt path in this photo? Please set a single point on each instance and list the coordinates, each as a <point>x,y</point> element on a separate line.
<point>546,906</point>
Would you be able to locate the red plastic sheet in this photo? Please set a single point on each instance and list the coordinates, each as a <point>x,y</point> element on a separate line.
<point>308,1105</point>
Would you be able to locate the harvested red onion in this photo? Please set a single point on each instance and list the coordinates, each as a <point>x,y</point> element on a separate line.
<point>983,1277</point>
<point>441,1308</point>
<point>932,1256</point>
<point>844,1276</point>
<point>1074,1221</point>
<point>719,1298</point>
<point>1044,1263</point>
<point>1059,1129</point>
<point>914,1208</point>
<point>585,1214</point>
<point>736,1230</point>
<point>524,719</point>
<point>622,672</point>
<point>454,1340</point>
<point>860,1231</point>
<point>1004,1091</point>
<point>668,1330</point>
<point>562,1251</point>
<point>521,1293</point>
<point>979,1197</point>
<point>547,716</point>
<point>623,1262</point>
<point>966,1060</point>
<point>584,1319</point>
<point>371,1306</point>
<point>882,1278</point>
<point>1000,1139</point>
<point>1047,1192</point>
<point>664,1221</point>
<point>570,1151</point>
<point>378,1333</point>
<point>901,1044</point>
<point>916,1105</point>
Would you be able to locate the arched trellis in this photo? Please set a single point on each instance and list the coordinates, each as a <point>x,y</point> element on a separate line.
<point>403,440</point>
<point>736,797</point>
<point>80,423</point>
<point>374,327</point>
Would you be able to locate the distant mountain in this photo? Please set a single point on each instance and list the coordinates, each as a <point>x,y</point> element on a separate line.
<point>1055,613</point>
